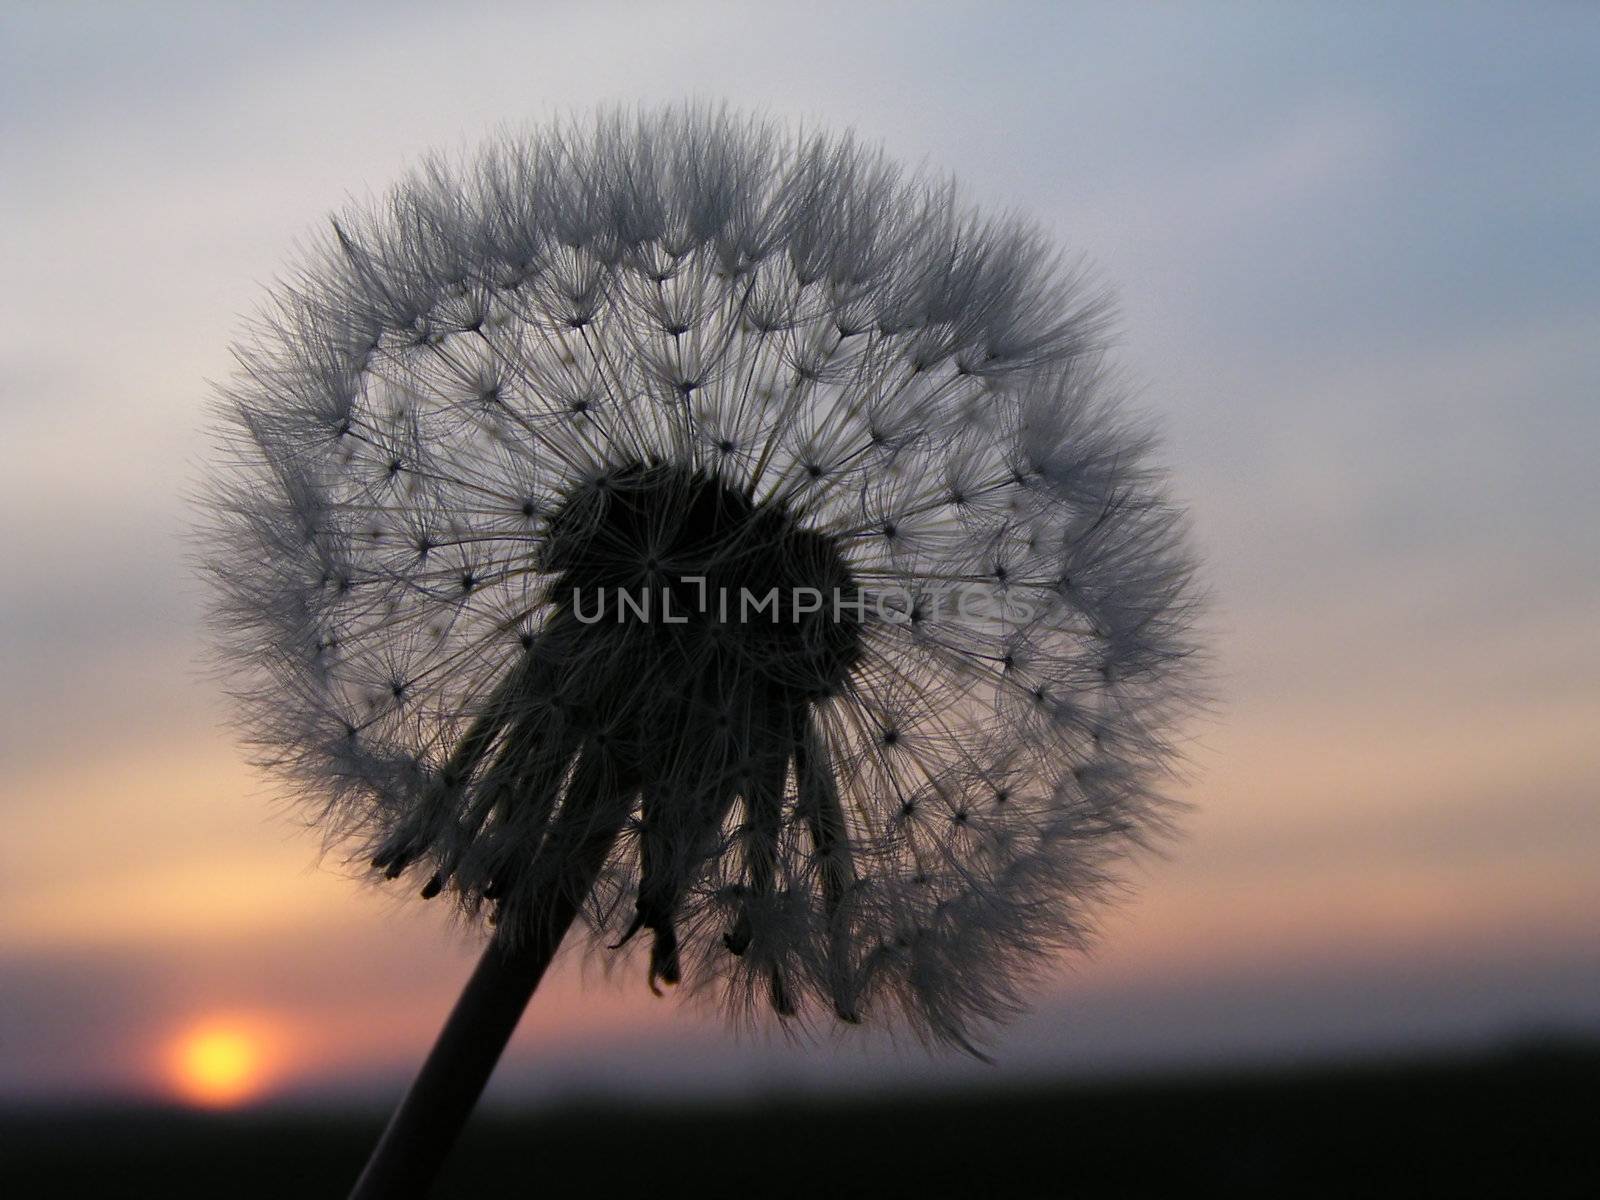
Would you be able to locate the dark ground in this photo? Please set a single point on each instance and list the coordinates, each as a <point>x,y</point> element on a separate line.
<point>1523,1123</point>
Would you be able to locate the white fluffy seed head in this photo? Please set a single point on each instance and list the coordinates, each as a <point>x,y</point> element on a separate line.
<point>642,348</point>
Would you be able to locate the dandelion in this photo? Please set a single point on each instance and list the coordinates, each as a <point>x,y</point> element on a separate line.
<point>718,538</point>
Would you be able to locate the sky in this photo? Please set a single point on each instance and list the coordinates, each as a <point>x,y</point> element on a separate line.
<point>1358,265</point>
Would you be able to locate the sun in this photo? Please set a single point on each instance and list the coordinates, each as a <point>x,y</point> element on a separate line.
<point>219,1065</point>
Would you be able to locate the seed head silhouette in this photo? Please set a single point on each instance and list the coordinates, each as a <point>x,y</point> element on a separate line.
<point>723,537</point>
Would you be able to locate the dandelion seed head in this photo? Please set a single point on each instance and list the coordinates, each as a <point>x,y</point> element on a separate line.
<point>664,357</point>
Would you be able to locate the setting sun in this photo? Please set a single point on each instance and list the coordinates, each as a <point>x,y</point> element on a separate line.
<point>219,1065</point>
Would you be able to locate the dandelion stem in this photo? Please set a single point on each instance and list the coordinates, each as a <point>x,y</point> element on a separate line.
<point>430,1118</point>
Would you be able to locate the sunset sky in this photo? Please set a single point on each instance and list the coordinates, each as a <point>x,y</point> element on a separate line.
<point>1358,258</point>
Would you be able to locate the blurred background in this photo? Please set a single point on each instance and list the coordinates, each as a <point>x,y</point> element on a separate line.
<point>1359,269</point>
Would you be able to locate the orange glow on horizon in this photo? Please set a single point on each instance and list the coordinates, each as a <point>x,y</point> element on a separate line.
<point>220,1064</point>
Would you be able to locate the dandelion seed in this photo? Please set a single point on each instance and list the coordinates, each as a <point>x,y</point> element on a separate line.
<point>686,354</point>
